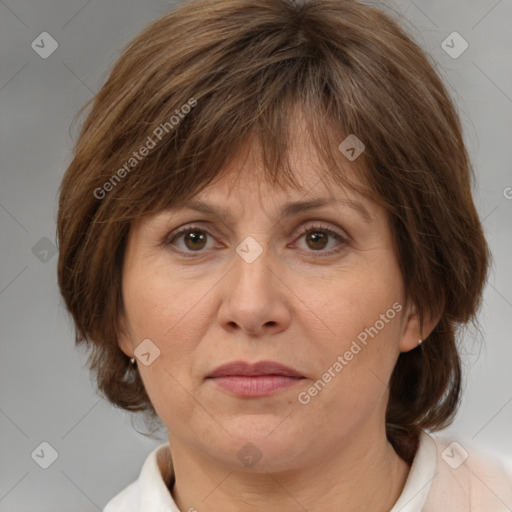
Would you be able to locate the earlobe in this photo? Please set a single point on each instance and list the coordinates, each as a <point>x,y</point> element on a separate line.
<point>123,340</point>
<point>410,335</point>
<point>413,334</point>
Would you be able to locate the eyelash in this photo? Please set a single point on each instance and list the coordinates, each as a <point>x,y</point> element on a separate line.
<point>310,228</point>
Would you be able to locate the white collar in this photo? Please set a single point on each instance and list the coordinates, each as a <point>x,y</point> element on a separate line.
<point>151,492</point>
<point>422,473</point>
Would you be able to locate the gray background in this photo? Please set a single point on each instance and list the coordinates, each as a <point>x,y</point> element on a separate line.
<point>45,391</point>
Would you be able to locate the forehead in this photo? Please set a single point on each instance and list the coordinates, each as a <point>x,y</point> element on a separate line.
<point>243,187</point>
<point>245,177</point>
<point>310,171</point>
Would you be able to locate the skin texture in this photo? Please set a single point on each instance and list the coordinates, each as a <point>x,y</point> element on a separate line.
<point>295,304</point>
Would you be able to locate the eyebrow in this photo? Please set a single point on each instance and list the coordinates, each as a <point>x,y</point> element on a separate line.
<point>288,210</point>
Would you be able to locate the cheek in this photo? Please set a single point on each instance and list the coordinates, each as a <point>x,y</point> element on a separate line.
<point>354,300</point>
<point>357,316</point>
<point>159,305</point>
<point>174,315</point>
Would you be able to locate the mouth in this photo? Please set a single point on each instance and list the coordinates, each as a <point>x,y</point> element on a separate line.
<point>260,379</point>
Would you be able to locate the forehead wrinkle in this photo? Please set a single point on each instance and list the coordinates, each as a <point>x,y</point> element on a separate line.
<point>289,209</point>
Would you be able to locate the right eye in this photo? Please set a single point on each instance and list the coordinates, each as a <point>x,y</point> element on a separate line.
<point>193,237</point>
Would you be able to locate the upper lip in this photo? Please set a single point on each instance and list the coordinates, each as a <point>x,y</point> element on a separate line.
<point>255,369</point>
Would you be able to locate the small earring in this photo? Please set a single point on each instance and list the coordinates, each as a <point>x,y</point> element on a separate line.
<point>132,362</point>
<point>420,341</point>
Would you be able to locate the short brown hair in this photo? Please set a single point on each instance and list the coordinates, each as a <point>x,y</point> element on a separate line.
<point>242,66</point>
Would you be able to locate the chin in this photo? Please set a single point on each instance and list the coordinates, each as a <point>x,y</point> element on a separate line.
<point>260,443</point>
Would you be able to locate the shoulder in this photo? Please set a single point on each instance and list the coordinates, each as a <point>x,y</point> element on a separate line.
<point>125,501</point>
<point>469,478</point>
<point>149,488</point>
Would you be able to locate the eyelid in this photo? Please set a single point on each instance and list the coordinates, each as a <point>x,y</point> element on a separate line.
<point>324,227</point>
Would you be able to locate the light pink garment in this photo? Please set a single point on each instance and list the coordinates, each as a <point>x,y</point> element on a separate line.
<point>444,477</point>
<point>482,483</point>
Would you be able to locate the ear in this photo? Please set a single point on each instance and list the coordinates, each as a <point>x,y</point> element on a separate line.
<point>411,331</point>
<point>124,340</point>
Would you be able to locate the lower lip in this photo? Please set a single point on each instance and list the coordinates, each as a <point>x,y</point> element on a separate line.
<point>261,385</point>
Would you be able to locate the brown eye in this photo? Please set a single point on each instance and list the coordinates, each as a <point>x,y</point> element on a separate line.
<point>317,239</point>
<point>193,239</point>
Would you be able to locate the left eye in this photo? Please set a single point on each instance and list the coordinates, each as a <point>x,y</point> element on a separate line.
<point>317,238</point>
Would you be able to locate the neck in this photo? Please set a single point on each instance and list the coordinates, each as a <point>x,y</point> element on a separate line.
<point>334,481</point>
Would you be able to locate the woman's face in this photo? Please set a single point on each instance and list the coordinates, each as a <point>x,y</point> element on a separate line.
<point>318,290</point>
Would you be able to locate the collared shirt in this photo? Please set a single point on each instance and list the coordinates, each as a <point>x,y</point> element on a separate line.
<point>444,476</point>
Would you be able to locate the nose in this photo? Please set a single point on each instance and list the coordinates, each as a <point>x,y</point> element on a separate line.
<point>254,297</point>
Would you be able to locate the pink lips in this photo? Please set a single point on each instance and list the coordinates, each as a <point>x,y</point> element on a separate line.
<point>259,379</point>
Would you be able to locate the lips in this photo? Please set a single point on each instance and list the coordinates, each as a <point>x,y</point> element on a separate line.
<point>246,380</point>
<point>261,368</point>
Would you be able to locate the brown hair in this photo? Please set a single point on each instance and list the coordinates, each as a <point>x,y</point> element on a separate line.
<point>241,67</point>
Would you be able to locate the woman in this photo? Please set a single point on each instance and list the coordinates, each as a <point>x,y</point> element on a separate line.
<point>268,240</point>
